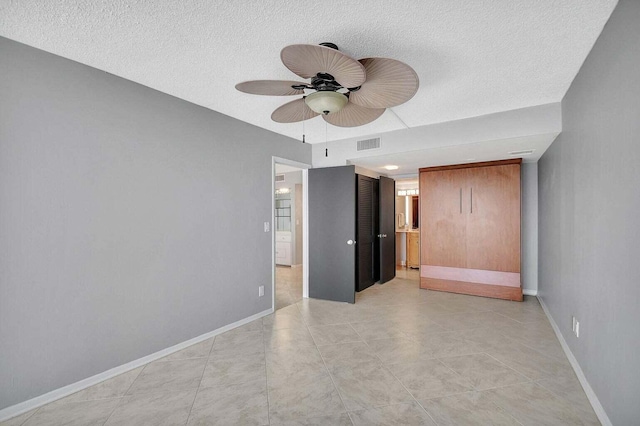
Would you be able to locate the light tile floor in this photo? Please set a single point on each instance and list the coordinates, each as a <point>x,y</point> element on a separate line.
<point>288,286</point>
<point>399,356</point>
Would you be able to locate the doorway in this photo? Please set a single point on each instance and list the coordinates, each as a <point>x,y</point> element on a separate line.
<point>407,227</point>
<point>289,233</point>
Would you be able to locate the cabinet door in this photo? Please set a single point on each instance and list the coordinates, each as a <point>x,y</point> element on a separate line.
<point>367,248</point>
<point>283,253</point>
<point>442,222</point>
<point>493,218</point>
<point>413,249</point>
<point>387,228</point>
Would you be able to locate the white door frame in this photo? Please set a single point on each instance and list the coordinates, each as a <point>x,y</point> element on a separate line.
<point>305,225</point>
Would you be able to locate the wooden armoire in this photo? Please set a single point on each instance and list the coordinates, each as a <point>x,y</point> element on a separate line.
<point>470,229</point>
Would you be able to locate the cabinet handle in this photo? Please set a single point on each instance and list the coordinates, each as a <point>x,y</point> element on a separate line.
<point>460,200</point>
<point>471,200</point>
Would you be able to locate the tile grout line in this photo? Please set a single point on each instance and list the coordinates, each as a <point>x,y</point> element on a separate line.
<point>474,390</point>
<point>446,366</point>
<point>124,394</point>
<point>530,379</point>
<point>350,418</point>
<point>502,409</point>
<point>28,418</point>
<point>455,372</point>
<point>266,374</point>
<point>571,404</point>
<point>200,383</point>
<point>334,383</point>
<point>325,366</point>
<point>264,348</point>
<point>539,352</point>
<point>394,376</point>
<point>413,397</point>
<point>535,383</point>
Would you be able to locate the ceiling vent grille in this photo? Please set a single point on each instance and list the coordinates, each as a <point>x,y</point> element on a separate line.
<point>368,144</point>
<point>279,178</point>
<point>525,152</point>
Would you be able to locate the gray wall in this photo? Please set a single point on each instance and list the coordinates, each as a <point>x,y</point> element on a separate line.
<point>589,183</point>
<point>130,220</point>
<point>529,227</point>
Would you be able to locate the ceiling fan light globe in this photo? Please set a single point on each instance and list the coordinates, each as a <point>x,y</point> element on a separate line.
<point>326,102</point>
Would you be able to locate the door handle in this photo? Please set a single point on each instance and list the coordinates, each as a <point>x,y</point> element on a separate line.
<point>351,242</point>
<point>380,236</point>
<point>384,235</point>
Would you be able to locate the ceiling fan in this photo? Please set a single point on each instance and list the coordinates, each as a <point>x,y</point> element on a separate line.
<point>345,91</point>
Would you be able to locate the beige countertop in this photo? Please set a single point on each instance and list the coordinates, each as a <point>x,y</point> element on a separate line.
<point>405,231</point>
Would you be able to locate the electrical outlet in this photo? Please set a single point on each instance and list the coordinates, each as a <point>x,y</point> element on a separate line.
<point>261,291</point>
<point>577,328</point>
<point>266,227</point>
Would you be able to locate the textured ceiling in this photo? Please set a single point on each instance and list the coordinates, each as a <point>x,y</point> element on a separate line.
<point>472,57</point>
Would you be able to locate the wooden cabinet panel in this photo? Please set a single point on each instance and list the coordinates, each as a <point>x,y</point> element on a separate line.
<point>413,249</point>
<point>493,219</point>
<point>442,222</point>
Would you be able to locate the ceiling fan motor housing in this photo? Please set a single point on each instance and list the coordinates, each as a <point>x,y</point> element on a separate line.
<point>323,81</point>
<point>331,45</point>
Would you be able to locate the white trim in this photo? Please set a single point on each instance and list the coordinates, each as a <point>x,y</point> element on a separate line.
<point>591,395</point>
<point>23,407</point>
<point>305,234</point>
<point>529,292</point>
<point>273,233</point>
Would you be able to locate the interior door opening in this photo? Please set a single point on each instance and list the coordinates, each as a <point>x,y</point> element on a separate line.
<point>288,229</point>
<point>407,227</point>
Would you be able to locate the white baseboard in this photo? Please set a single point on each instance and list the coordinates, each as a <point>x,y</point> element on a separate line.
<point>23,407</point>
<point>591,395</point>
<point>529,292</point>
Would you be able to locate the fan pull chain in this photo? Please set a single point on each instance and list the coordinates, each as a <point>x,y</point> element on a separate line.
<point>326,141</point>
<point>303,111</point>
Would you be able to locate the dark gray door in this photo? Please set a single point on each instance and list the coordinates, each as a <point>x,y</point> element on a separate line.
<point>387,232</point>
<point>332,233</point>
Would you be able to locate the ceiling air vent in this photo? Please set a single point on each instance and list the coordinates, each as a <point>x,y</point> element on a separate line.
<point>279,178</point>
<point>369,144</point>
<point>519,153</point>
